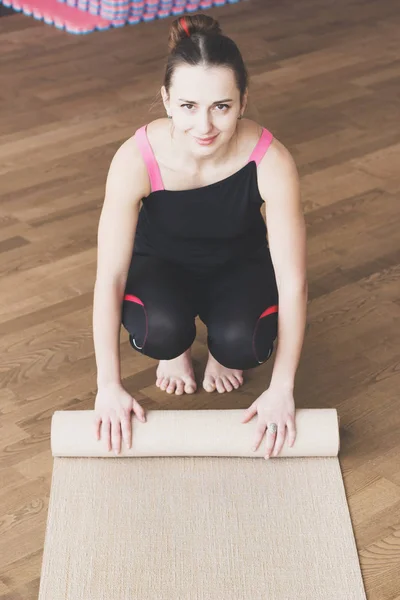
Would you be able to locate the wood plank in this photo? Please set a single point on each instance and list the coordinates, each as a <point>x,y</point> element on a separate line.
<point>325,80</point>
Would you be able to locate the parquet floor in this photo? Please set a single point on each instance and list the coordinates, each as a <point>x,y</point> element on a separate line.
<point>326,81</point>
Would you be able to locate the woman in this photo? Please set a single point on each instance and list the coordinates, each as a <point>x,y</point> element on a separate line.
<point>198,244</point>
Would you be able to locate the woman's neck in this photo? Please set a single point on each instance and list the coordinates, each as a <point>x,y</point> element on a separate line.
<point>189,162</point>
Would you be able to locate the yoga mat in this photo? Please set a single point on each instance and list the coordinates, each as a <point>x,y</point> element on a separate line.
<point>60,15</point>
<point>189,512</point>
<point>86,16</point>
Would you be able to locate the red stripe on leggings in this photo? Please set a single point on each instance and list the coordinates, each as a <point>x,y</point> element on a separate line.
<point>269,311</point>
<point>133,299</point>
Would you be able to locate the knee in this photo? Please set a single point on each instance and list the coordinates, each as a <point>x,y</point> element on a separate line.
<point>158,333</point>
<point>168,336</point>
<point>243,345</point>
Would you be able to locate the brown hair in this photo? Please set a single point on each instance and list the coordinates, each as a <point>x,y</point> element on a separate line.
<point>205,45</point>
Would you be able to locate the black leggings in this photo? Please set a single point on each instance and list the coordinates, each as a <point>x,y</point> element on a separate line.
<point>238,303</point>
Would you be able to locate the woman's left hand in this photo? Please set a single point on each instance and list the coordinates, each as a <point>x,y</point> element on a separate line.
<point>275,405</point>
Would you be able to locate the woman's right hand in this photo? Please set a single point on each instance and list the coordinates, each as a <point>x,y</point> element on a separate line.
<point>113,407</point>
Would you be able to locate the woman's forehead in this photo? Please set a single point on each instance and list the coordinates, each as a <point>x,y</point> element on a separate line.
<point>207,82</point>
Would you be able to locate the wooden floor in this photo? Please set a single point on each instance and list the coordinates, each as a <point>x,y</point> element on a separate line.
<point>326,81</point>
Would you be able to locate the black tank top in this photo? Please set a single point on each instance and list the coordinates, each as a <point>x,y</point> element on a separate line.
<point>207,227</point>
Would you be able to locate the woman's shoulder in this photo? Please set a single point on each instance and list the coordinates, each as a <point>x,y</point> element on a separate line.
<point>277,156</point>
<point>251,134</point>
<point>129,163</point>
<point>157,133</point>
<point>277,169</point>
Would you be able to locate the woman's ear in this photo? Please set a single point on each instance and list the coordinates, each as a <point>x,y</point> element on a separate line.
<point>165,98</point>
<point>245,99</point>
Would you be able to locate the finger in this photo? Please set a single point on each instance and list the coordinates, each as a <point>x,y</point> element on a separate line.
<point>97,423</point>
<point>271,437</point>
<point>280,438</point>
<point>139,411</point>
<point>259,435</point>
<point>249,413</point>
<point>116,435</point>
<point>291,432</point>
<point>126,427</point>
<point>105,433</point>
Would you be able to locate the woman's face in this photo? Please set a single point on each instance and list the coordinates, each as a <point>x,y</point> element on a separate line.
<point>204,103</point>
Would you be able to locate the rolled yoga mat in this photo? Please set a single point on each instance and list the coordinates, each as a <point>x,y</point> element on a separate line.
<point>191,513</point>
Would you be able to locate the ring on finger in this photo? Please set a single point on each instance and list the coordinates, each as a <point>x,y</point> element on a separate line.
<point>272,428</point>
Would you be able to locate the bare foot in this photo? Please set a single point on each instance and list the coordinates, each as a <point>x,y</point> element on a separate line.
<point>177,375</point>
<point>216,376</point>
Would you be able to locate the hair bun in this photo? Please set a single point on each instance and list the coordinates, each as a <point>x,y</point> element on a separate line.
<point>195,24</point>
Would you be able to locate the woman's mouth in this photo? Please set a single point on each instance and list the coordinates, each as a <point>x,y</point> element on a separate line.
<point>205,141</point>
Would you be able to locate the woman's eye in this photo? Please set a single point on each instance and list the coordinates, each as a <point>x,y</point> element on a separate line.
<point>190,106</point>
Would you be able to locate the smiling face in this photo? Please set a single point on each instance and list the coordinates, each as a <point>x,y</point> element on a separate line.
<point>204,103</point>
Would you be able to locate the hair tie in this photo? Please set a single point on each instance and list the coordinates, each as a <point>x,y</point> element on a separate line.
<point>184,25</point>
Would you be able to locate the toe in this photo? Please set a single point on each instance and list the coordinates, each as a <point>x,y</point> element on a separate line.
<point>165,383</point>
<point>179,388</point>
<point>239,378</point>
<point>209,384</point>
<point>190,388</point>
<point>171,387</point>
<point>234,382</point>
<point>220,385</point>
<point>227,384</point>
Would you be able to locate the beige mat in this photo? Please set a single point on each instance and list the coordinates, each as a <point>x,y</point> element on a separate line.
<point>191,513</point>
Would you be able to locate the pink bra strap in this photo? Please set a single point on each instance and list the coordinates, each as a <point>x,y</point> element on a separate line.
<point>149,158</point>
<point>262,146</point>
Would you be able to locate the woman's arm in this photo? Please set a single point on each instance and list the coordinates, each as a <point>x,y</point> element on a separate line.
<point>278,183</point>
<point>291,327</point>
<point>127,183</point>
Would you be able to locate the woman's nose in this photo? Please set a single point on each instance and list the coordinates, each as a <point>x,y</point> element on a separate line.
<point>204,125</point>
